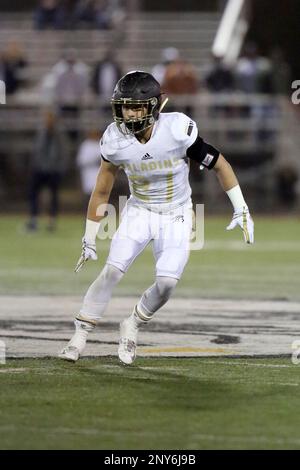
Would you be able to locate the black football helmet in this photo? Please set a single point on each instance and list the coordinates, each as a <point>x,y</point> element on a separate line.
<point>136,88</point>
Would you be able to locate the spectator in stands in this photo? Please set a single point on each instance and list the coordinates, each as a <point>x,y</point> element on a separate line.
<point>94,13</point>
<point>110,14</point>
<point>49,14</point>
<point>253,72</point>
<point>50,158</point>
<point>7,75</point>
<point>281,73</point>
<point>106,73</point>
<point>68,13</point>
<point>254,76</point>
<point>220,78</point>
<point>84,13</point>
<point>71,83</point>
<point>180,78</point>
<point>12,65</point>
<point>287,178</point>
<point>88,161</point>
<point>168,55</point>
<point>71,14</point>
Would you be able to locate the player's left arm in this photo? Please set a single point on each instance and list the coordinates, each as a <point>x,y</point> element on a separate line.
<point>210,158</point>
<point>230,184</point>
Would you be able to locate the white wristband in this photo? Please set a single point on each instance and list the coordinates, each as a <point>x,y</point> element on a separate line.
<point>236,197</point>
<point>91,230</point>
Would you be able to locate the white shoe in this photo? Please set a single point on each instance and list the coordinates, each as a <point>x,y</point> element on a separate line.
<point>76,345</point>
<point>128,341</point>
<point>70,353</point>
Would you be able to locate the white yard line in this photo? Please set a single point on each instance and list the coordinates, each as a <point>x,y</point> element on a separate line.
<point>283,384</point>
<point>244,439</point>
<point>193,444</point>
<point>236,245</point>
<point>14,370</point>
<point>249,364</point>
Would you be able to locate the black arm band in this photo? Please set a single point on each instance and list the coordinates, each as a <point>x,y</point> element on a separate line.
<point>203,153</point>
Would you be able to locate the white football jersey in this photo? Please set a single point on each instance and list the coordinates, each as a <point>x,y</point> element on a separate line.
<point>158,171</point>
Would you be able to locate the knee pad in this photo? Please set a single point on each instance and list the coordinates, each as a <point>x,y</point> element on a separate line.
<point>101,289</point>
<point>156,296</point>
<point>110,274</point>
<point>165,286</point>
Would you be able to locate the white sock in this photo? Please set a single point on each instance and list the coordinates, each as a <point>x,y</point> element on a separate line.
<point>80,336</point>
<point>135,320</point>
<point>139,318</point>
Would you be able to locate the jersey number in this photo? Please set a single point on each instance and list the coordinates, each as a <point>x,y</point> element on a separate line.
<point>141,185</point>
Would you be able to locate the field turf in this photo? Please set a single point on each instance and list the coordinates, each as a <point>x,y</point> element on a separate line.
<point>158,403</point>
<point>165,403</point>
<point>43,263</point>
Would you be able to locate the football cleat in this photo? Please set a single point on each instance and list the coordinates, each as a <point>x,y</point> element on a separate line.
<point>128,341</point>
<point>77,343</point>
<point>70,353</point>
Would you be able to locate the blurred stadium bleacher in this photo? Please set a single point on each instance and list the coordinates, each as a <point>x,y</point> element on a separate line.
<point>258,143</point>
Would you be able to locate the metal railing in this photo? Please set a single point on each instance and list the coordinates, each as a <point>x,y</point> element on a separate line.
<point>233,120</point>
<point>255,132</point>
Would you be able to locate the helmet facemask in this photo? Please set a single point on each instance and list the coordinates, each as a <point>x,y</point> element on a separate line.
<point>135,125</point>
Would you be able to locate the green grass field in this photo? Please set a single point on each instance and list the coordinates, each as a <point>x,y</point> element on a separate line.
<point>158,403</point>
<point>43,263</point>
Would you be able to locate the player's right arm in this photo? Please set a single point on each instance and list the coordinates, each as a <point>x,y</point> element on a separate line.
<point>100,195</point>
<point>96,211</point>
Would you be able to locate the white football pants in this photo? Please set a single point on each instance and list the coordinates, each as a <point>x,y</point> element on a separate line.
<point>170,235</point>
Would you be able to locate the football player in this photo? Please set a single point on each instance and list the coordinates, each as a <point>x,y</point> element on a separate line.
<point>153,148</point>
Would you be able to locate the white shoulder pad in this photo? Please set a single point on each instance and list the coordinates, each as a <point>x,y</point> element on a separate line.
<point>108,145</point>
<point>184,129</point>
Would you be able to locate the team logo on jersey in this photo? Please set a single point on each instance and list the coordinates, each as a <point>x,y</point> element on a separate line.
<point>179,218</point>
<point>146,157</point>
